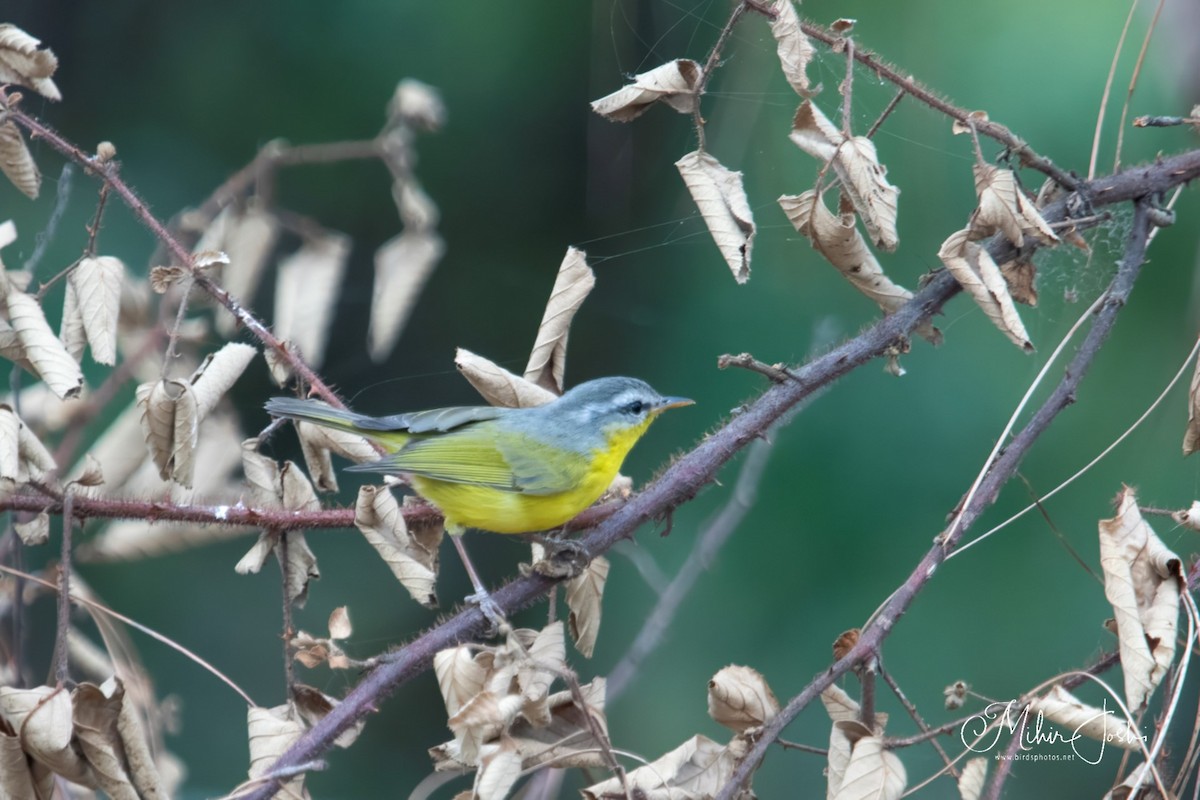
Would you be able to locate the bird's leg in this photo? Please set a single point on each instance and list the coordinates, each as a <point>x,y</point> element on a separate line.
<point>564,558</point>
<point>481,597</point>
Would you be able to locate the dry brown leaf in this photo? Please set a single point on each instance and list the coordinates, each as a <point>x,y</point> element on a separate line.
<point>499,768</point>
<point>1003,207</point>
<point>1021,277</point>
<point>217,373</point>
<point>185,433</point>
<point>957,127</point>
<point>16,774</point>
<point>1142,580</point>
<point>1065,709</point>
<point>873,773</point>
<point>739,698</point>
<point>721,199</point>
<point>418,104</point>
<point>972,266</point>
<point>347,445</point>
<point>499,386</point>
<point>857,166</point>
<point>34,532</point>
<point>548,359</point>
<point>547,659</point>
<point>972,779</point>
<point>837,238</point>
<point>96,710</point>
<point>163,278</point>
<point>262,475</point>
<point>568,740</point>
<point>793,46</point>
<point>40,346</point>
<point>271,732</point>
<point>1189,517</point>
<point>70,329</point>
<point>483,718</point>
<point>158,423</point>
<point>314,705</point>
<point>97,284</point>
<point>307,290</point>
<point>697,768</point>
<point>16,162</point>
<point>23,61</point>
<point>1191,436</point>
<point>10,348</point>
<point>673,83</point>
<point>402,266</point>
<point>10,438</point>
<point>377,515</point>
<point>584,595</point>
<point>280,367</point>
<point>43,715</point>
<point>460,676</point>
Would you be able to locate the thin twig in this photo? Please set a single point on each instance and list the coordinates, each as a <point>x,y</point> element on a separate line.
<point>710,65</point>
<point>289,669</point>
<point>1108,84</point>
<point>917,718</point>
<point>1133,79</point>
<point>887,112</point>
<point>847,85</point>
<point>990,128</point>
<point>61,651</point>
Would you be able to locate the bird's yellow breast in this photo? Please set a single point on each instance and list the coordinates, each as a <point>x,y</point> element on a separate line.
<point>487,508</point>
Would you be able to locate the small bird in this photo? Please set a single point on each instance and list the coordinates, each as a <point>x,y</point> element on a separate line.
<point>505,470</point>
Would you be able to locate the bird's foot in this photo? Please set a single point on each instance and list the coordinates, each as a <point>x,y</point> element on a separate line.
<point>491,611</point>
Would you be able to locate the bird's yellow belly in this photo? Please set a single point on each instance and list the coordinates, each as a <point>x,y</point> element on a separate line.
<point>488,509</point>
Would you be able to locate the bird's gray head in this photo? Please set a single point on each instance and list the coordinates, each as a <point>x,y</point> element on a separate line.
<point>628,402</point>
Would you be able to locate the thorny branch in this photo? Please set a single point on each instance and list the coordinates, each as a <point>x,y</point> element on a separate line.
<point>685,478</point>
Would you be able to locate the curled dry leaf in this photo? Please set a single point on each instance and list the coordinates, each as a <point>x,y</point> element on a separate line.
<point>482,719</point>
<point>739,698</point>
<point>460,676</point>
<point>837,238</point>
<point>793,46</point>
<point>1189,517</point>
<point>547,659</point>
<point>856,163</point>
<point>972,779</point>
<point>417,104</point>
<point>548,359</point>
<point>1191,436</point>
<point>1003,207</point>
<point>271,732</point>
<point>974,118</point>
<point>497,385</point>
<point>10,439</point>
<point>70,329</point>
<point>96,282</point>
<point>34,532</point>
<point>307,291</point>
<point>972,266</point>
<point>1142,580</point>
<point>163,278</point>
<point>1065,709</point>
<point>1021,277</point>
<point>402,266</point>
<point>697,768</point>
<point>956,694</point>
<point>217,373</point>
<point>499,768</point>
<point>314,705</point>
<point>872,772</point>
<point>40,346</point>
<point>584,595</point>
<point>23,61</point>
<point>673,83</point>
<point>44,717</point>
<point>377,515</point>
<point>721,199</point>
<point>16,162</point>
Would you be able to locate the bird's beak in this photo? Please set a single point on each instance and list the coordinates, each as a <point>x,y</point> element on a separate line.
<point>673,402</point>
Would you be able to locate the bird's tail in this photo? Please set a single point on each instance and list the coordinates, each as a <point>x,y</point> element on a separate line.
<point>317,412</point>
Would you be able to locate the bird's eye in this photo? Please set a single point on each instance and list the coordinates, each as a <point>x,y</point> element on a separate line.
<point>635,408</point>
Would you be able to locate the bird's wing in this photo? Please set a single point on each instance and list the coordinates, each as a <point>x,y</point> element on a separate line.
<point>437,420</point>
<point>485,457</point>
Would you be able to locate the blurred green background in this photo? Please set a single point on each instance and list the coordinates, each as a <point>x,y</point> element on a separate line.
<point>858,484</point>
